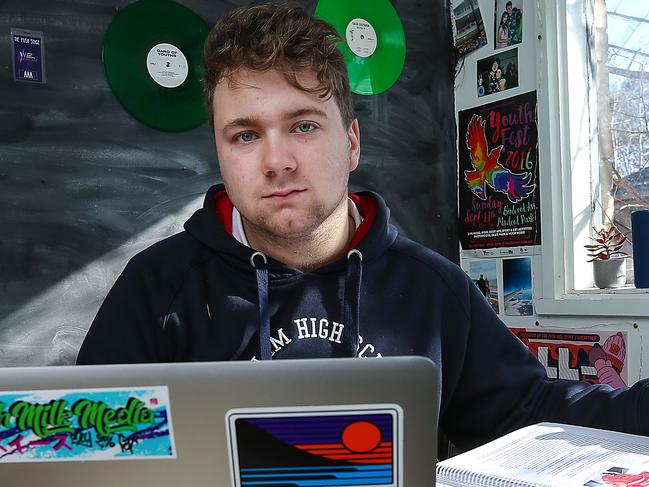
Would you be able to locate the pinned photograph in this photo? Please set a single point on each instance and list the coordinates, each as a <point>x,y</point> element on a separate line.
<point>470,33</point>
<point>517,286</point>
<point>497,73</point>
<point>485,275</point>
<point>508,23</point>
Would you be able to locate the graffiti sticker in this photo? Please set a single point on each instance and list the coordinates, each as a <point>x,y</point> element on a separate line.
<point>316,446</point>
<point>85,424</point>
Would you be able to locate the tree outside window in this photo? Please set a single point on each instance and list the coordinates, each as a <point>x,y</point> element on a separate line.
<point>620,42</point>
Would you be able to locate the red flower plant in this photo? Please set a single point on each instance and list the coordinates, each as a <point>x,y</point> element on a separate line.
<point>606,245</point>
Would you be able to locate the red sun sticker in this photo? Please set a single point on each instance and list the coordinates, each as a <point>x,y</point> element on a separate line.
<point>361,436</point>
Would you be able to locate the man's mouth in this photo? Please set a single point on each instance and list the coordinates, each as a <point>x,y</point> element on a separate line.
<point>284,194</point>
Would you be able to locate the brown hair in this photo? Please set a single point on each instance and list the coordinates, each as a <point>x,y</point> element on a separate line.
<point>283,36</point>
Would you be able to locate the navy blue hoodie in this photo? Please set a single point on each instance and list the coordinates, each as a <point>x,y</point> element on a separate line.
<point>201,295</point>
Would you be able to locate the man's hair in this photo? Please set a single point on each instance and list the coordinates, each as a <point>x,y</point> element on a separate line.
<point>283,36</point>
<point>508,4</point>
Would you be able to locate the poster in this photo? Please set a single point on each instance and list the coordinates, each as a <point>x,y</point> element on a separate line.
<point>499,195</point>
<point>598,357</point>
<point>28,55</point>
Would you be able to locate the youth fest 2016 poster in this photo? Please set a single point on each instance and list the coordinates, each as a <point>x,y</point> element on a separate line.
<point>498,180</point>
<point>598,357</point>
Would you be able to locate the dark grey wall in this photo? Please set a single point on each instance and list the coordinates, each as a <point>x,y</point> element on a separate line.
<point>83,185</point>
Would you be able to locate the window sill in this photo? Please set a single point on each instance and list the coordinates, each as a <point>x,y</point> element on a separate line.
<point>626,290</point>
<point>620,302</point>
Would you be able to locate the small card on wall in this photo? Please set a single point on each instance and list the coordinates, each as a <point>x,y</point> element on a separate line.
<point>85,424</point>
<point>28,55</point>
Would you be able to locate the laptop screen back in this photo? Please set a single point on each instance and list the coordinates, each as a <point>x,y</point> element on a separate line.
<point>298,423</point>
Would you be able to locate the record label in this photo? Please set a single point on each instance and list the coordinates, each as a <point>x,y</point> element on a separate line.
<point>361,37</point>
<point>152,57</point>
<point>167,65</point>
<point>372,41</point>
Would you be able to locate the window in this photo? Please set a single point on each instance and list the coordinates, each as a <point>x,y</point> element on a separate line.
<point>622,34</point>
<point>594,144</point>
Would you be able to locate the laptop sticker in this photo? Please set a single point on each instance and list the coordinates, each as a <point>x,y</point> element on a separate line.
<point>319,446</point>
<point>86,424</point>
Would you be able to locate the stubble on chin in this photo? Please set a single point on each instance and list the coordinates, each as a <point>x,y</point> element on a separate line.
<point>273,227</point>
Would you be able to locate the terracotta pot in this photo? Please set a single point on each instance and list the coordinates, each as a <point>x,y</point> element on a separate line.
<point>609,273</point>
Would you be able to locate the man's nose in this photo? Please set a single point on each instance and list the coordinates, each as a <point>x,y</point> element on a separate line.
<point>277,156</point>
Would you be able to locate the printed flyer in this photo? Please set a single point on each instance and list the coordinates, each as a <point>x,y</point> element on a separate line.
<point>85,424</point>
<point>598,357</point>
<point>28,55</point>
<point>499,199</point>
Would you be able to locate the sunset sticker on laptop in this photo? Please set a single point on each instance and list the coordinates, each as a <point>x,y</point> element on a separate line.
<point>85,424</point>
<point>321,446</point>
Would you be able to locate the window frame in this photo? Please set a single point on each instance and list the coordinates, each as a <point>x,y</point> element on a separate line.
<point>568,152</point>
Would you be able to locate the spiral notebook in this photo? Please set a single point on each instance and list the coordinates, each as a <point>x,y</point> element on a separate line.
<point>551,455</point>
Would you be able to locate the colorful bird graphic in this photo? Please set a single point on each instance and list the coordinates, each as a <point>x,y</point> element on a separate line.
<point>488,170</point>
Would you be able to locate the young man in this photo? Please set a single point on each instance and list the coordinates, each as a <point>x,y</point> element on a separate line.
<point>281,262</point>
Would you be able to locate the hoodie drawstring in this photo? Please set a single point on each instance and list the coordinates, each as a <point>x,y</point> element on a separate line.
<point>351,303</point>
<point>262,292</point>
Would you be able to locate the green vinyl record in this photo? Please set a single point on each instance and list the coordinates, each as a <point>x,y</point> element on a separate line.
<point>152,57</point>
<point>374,43</point>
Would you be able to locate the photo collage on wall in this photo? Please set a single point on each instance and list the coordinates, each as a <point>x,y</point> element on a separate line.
<point>498,170</point>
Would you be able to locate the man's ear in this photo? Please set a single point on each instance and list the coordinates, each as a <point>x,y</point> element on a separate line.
<point>354,138</point>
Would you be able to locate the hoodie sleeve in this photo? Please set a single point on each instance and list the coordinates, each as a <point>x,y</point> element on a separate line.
<point>125,329</point>
<point>502,387</point>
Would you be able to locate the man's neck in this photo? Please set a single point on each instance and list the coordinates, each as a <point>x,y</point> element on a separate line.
<point>323,246</point>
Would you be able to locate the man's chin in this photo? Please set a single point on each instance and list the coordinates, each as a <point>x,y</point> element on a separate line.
<point>290,232</point>
<point>284,228</point>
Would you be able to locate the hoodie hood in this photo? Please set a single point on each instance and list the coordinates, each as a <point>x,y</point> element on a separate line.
<point>212,226</point>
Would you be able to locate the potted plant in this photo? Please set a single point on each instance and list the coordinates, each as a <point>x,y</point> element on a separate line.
<point>608,258</point>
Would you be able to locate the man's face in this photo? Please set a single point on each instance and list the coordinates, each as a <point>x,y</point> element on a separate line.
<point>509,8</point>
<point>284,154</point>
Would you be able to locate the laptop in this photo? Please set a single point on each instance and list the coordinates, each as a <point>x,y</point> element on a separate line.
<point>289,423</point>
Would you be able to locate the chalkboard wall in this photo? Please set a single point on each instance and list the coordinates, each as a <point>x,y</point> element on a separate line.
<point>83,185</point>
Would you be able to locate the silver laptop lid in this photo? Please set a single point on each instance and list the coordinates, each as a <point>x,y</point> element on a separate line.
<point>290,423</point>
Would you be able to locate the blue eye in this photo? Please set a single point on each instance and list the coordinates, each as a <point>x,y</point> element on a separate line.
<point>246,137</point>
<point>305,127</point>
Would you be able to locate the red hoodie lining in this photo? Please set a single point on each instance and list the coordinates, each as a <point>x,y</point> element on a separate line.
<point>365,204</point>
